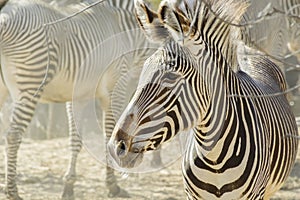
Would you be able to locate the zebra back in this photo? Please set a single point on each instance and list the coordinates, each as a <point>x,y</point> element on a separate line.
<point>265,29</point>
<point>65,42</point>
<point>291,8</point>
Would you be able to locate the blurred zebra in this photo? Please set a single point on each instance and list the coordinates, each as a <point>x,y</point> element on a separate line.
<point>205,79</point>
<point>41,63</point>
<point>265,30</point>
<point>291,8</point>
<point>271,27</point>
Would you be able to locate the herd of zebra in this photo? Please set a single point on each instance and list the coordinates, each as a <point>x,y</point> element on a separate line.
<point>214,67</point>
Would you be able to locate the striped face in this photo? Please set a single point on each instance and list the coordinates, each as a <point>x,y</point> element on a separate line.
<point>163,104</point>
<point>159,109</point>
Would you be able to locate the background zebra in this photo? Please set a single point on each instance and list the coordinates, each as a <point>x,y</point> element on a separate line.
<point>291,9</point>
<point>243,144</point>
<point>42,63</point>
<point>281,41</point>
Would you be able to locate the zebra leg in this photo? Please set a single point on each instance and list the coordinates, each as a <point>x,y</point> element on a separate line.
<point>3,91</point>
<point>13,141</point>
<point>75,146</point>
<point>21,116</point>
<point>111,181</point>
<point>3,98</point>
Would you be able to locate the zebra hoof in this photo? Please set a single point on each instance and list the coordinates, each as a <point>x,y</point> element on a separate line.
<point>10,195</point>
<point>68,197</point>
<point>68,193</point>
<point>14,197</point>
<point>118,192</point>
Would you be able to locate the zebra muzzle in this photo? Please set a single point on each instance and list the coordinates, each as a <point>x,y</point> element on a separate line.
<point>124,154</point>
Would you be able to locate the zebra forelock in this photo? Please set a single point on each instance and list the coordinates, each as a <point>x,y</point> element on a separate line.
<point>229,10</point>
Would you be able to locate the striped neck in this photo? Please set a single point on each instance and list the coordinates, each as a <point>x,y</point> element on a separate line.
<point>214,25</point>
<point>213,70</point>
<point>218,35</point>
<point>213,43</point>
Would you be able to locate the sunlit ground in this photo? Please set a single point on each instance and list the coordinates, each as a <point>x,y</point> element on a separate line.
<point>42,164</point>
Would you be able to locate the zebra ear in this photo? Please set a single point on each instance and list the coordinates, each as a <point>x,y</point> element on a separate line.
<point>173,19</point>
<point>150,23</point>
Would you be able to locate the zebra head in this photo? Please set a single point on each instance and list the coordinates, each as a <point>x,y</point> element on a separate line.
<point>169,98</point>
<point>160,108</point>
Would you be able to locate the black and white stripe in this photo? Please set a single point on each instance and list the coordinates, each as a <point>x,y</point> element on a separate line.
<point>240,148</point>
<point>41,60</point>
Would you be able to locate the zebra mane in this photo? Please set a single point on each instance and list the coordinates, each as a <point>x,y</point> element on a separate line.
<point>231,11</point>
<point>228,11</point>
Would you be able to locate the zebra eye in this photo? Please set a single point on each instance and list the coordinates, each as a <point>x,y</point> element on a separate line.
<point>135,150</point>
<point>169,64</point>
<point>172,76</point>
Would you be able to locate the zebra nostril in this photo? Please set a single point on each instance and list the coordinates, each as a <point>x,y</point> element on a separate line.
<point>121,148</point>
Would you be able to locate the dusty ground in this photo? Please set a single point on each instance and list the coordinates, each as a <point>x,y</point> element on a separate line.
<point>42,164</point>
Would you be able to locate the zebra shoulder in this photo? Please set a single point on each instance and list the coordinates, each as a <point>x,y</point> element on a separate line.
<point>260,67</point>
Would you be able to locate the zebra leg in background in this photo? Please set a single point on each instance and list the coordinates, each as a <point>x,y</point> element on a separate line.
<point>111,182</point>
<point>3,98</point>
<point>112,98</point>
<point>21,116</point>
<point>3,91</point>
<point>75,147</point>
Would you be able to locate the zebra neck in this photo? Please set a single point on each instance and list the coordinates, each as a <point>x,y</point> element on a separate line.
<point>219,80</point>
<point>219,35</point>
<point>216,146</point>
<point>214,120</point>
<point>211,129</point>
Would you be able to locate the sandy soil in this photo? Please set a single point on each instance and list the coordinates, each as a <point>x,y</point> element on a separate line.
<point>42,164</point>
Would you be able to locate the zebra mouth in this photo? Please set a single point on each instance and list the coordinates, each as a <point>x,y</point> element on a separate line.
<point>132,160</point>
<point>120,157</point>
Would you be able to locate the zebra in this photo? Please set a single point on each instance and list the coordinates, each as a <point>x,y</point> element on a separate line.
<point>243,142</point>
<point>282,16</point>
<point>271,27</point>
<point>258,16</point>
<point>41,61</point>
<point>291,9</point>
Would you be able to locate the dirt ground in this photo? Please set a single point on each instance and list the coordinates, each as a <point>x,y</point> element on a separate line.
<point>42,164</point>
